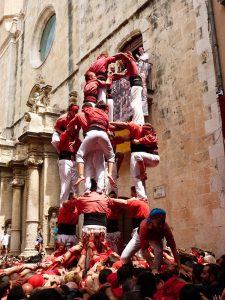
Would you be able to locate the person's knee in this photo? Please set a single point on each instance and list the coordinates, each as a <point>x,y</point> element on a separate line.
<point>79,158</point>
<point>138,157</point>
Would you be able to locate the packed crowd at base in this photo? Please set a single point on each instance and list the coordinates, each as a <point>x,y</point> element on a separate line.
<point>98,265</point>
<point>57,276</point>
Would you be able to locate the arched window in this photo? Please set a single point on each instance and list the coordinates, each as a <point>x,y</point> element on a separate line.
<point>133,45</point>
<point>47,37</point>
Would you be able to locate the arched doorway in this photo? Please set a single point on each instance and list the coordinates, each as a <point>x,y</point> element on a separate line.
<point>132,44</point>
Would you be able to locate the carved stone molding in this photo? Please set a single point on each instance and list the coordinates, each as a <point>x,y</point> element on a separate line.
<point>27,117</point>
<point>18,182</point>
<point>33,161</point>
<point>39,97</point>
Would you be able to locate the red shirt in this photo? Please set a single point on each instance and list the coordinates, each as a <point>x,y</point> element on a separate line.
<point>115,211</point>
<point>97,117</point>
<point>100,65</point>
<point>62,122</point>
<point>80,121</point>
<point>65,141</point>
<point>170,290</point>
<point>137,208</point>
<point>117,76</point>
<point>91,89</point>
<point>148,233</point>
<point>137,132</point>
<point>67,213</point>
<point>93,203</point>
<point>132,68</point>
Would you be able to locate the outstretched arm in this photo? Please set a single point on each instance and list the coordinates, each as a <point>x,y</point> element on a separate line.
<point>119,125</point>
<point>119,201</point>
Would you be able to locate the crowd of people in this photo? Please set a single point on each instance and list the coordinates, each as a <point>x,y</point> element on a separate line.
<point>66,275</point>
<point>97,264</point>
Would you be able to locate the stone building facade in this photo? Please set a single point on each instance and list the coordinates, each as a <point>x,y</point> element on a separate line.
<point>190,180</point>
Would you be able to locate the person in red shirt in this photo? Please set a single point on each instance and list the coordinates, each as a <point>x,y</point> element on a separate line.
<point>95,208</point>
<point>68,146</point>
<point>152,230</point>
<point>61,124</point>
<point>114,236</point>
<point>137,210</point>
<point>136,85</point>
<point>144,152</point>
<point>95,158</point>
<point>100,68</point>
<point>92,86</point>
<point>67,220</point>
<point>96,140</point>
<point>80,121</point>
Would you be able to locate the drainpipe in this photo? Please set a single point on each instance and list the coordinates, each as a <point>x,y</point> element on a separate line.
<point>215,47</point>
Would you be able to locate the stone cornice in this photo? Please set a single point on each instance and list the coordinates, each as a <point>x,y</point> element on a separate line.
<point>16,164</point>
<point>36,136</point>
<point>18,182</point>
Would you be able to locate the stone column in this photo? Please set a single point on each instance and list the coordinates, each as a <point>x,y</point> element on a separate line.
<point>6,177</point>
<point>51,186</point>
<point>15,248</point>
<point>32,215</point>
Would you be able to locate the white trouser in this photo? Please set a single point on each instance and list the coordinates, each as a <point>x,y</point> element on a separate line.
<point>102,94</point>
<point>110,113</point>
<point>150,160</point>
<point>135,244</point>
<point>55,140</point>
<point>95,140</point>
<point>68,177</point>
<point>95,168</point>
<point>95,230</point>
<point>136,104</point>
<point>132,247</point>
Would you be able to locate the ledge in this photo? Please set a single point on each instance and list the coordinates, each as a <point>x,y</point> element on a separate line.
<point>34,135</point>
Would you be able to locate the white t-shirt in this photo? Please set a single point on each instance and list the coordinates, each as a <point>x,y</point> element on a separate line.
<point>5,240</point>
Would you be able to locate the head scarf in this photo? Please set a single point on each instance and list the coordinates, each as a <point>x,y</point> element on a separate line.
<point>156,212</point>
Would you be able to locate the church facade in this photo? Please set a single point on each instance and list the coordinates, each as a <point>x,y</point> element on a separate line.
<point>46,47</point>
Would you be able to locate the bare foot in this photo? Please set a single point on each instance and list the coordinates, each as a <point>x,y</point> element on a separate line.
<point>80,178</point>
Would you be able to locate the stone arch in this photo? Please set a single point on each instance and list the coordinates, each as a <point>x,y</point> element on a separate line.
<point>128,38</point>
